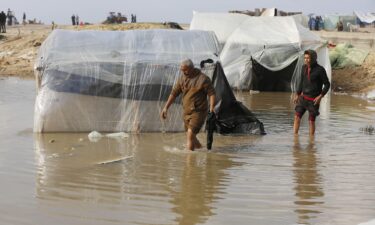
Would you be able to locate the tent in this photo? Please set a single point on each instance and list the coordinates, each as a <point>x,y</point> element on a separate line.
<point>261,53</point>
<point>112,81</point>
<point>365,18</point>
<point>330,22</point>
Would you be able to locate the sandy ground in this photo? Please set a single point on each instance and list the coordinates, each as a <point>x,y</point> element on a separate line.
<point>355,79</point>
<point>19,47</point>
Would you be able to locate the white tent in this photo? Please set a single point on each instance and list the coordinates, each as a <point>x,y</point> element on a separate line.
<point>222,24</point>
<point>365,17</point>
<point>272,43</point>
<point>114,81</point>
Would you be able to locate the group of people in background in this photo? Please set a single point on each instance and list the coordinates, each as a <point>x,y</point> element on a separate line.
<point>316,23</point>
<point>4,18</point>
<point>75,20</point>
<point>133,18</point>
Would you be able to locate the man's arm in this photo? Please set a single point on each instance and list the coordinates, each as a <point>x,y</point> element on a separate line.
<point>299,86</point>
<point>176,91</point>
<point>210,92</point>
<point>326,86</point>
<point>170,100</point>
<point>212,103</point>
<point>326,82</point>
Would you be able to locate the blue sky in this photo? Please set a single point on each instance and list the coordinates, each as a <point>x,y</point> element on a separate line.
<point>180,11</point>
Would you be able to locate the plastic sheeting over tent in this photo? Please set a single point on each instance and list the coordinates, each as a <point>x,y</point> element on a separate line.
<point>261,53</point>
<point>365,17</point>
<point>330,22</point>
<point>113,81</point>
<point>222,24</point>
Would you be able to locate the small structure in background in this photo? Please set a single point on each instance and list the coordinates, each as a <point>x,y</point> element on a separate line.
<point>34,21</point>
<point>173,25</point>
<point>266,12</point>
<point>365,19</point>
<point>274,12</point>
<point>115,18</point>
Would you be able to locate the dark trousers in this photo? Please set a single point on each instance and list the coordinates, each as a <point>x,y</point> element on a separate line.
<point>2,28</point>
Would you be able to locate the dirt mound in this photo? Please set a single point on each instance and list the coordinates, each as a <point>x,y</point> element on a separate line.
<point>357,78</point>
<point>19,48</point>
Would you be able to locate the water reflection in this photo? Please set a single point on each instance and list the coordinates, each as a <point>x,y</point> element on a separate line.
<point>72,167</point>
<point>201,182</point>
<point>308,180</point>
<point>139,174</point>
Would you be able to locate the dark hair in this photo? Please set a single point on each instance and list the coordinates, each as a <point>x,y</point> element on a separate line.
<point>312,54</point>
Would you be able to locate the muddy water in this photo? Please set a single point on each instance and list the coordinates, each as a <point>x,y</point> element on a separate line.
<point>151,179</point>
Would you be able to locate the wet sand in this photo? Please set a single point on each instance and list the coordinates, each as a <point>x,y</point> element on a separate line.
<point>150,179</point>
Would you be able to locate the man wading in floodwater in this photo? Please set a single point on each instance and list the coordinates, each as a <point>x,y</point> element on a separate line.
<point>195,87</point>
<point>310,91</point>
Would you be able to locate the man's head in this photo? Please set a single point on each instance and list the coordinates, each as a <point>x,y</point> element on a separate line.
<point>187,67</point>
<point>310,57</point>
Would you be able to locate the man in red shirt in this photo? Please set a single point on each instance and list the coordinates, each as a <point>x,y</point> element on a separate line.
<point>310,91</point>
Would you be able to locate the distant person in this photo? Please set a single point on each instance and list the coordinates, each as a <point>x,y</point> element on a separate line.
<point>73,20</point>
<point>24,19</point>
<point>77,20</point>
<point>194,86</point>
<point>3,18</point>
<point>10,17</point>
<point>135,18</point>
<point>340,26</point>
<point>317,22</point>
<point>312,23</point>
<point>310,91</point>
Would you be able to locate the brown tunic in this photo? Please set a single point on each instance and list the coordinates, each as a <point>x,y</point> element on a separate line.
<point>194,89</point>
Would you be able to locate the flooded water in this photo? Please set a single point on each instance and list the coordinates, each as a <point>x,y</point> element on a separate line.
<point>150,178</point>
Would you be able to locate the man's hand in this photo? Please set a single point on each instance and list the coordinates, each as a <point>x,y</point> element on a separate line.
<point>295,99</point>
<point>163,114</point>
<point>317,100</point>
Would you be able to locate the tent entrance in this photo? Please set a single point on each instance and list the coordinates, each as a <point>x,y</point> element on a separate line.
<point>263,79</point>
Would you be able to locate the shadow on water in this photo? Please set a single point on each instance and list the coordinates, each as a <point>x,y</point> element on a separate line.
<point>307,179</point>
<point>139,174</point>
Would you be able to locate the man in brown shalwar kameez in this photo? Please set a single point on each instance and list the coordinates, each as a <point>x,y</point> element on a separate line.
<point>195,86</point>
